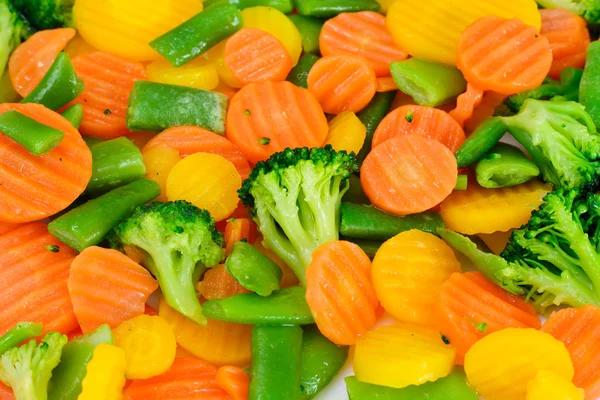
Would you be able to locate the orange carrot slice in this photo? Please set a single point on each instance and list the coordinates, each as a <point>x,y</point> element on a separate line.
<point>6,393</point>
<point>108,81</point>
<point>265,118</point>
<point>364,34</point>
<point>235,381</point>
<point>340,293</point>
<point>253,55</point>
<point>238,229</point>
<point>187,378</point>
<point>192,139</point>
<point>466,104</point>
<point>386,84</point>
<point>107,287</point>
<point>579,330</point>
<point>6,227</point>
<point>342,82</point>
<point>503,55</point>
<point>471,307</point>
<point>32,59</point>
<point>428,122</point>
<point>217,283</point>
<point>35,267</point>
<point>33,188</point>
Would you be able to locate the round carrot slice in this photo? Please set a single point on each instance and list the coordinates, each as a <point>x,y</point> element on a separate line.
<point>408,174</point>
<point>503,55</point>
<point>364,34</point>
<point>33,188</point>
<point>266,117</point>
<point>253,55</point>
<point>343,82</point>
<point>428,122</point>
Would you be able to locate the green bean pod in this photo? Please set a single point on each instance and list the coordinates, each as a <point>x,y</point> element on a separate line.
<point>19,334</point>
<point>253,270</point>
<point>37,138</point>
<point>371,116</point>
<point>285,6</point>
<point>299,74</point>
<point>310,30</point>
<point>462,181</point>
<point>74,115</point>
<point>355,193</point>
<point>331,8</point>
<point>504,166</point>
<point>480,142</point>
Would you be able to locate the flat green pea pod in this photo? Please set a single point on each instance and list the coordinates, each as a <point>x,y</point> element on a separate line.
<point>74,115</point>
<point>504,166</point>
<point>299,74</point>
<point>480,142</point>
<point>321,361</point>
<point>371,116</point>
<point>589,89</point>
<point>253,270</point>
<point>310,30</point>
<point>285,6</point>
<point>331,8</point>
<point>19,334</point>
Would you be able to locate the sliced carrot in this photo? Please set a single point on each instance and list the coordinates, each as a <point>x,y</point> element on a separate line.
<point>74,333</point>
<point>267,117</point>
<point>466,104</point>
<point>579,330</point>
<point>428,122</point>
<point>108,81</point>
<point>408,174</point>
<point>235,381</point>
<point>340,293</point>
<point>238,229</point>
<point>487,107</point>
<point>192,139</point>
<point>6,227</point>
<point>471,307</point>
<point>253,55</point>
<point>36,187</point>
<point>34,267</point>
<point>6,392</point>
<point>568,36</point>
<point>217,283</point>
<point>503,55</point>
<point>107,287</point>
<point>364,34</point>
<point>32,59</point>
<point>149,310</point>
<point>187,378</point>
<point>342,82</point>
<point>386,84</point>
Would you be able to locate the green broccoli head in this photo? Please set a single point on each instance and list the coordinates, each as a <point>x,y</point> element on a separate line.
<point>47,14</point>
<point>588,9</point>
<point>295,199</point>
<point>28,369</point>
<point>562,139</point>
<point>14,29</point>
<point>180,241</point>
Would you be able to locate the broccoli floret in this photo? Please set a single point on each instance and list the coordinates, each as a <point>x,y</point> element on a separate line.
<point>562,139</point>
<point>588,9</point>
<point>295,199</point>
<point>14,29</point>
<point>28,369</point>
<point>47,14</point>
<point>179,241</point>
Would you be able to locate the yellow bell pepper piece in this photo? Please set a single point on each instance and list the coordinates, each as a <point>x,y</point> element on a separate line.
<point>198,73</point>
<point>159,161</point>
<point>549,385</point>
<point>105,376</point>
<point>346,132</point>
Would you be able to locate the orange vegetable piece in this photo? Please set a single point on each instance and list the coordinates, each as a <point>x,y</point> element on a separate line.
<point>6,227</point>
<point>236,230</point>
<point>364,34</point>
<point>428,122</point>
<point>108,81</point>
<point>159,162</point>
<point>33,58</point>
<point>6,392</point>
<point>466,104</point>
<point>107,287</point>
<point>342,82</point>
<point>235,381</point>
<point>503,55</point>
<point>33,187</point>
<point>34,280</point>
<point>408,174</point>
<point>386,84</point>
<point>340,293</point>
<point>219,284</point>
<point>484,110</point>
<point>267,117</point>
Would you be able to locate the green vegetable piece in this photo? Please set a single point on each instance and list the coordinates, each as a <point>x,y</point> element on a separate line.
<point>285,6</point>
<point>321,361</point>
<point>18,334</point>
<point>27,369</point>
<point>355,193</point>
<point>91,141</point>
<point>451,387</point>
<point>370,247</point>
<point>74,115</point>
<point>589,92</point>
<point>367,222</point>
<point>8,94</point>
<point>59,86</point>
<point>115,163</point>
<point>288,306</point>
<point>480,142</point>
<point>65,383</point>
<point>88,224</point>
<point>276,363</point>
<point>198,34</point>
<point>371,116</point>
<point>462,182</point>
<point>299,74</point>
<point>505,166</point>
<point>310,30</point>
<point>157,106</point>
<point>331,8</point>
<point>47,14</point>
<point>428,83</point>
<point>37,138</point>
<point>15,29</point>
<point>253,270</point>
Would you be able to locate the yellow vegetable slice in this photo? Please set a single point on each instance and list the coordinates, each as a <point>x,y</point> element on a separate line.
<point>346,132</point>
<point>198,73</point>
<point>105,374</point>
<point>549,385</point>
<point>159,161</point>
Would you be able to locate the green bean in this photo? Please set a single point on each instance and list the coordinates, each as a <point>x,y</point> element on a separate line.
<point>462,181</point>
<point>331,8</point>
<point>504,166</point>
<point>589,89</point>
<point>37,138</point>
<point>253,270</point>
<point>480,142</point>
<point>371,116</point>
<point>310,30</point>
<point>285,6</point>
<point>355,193</point>
<point>299,74</point>
<point>74,115</point>
<point>19,334</point>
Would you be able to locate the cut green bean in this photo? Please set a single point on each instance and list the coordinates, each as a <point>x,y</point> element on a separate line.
<point>59,86</point>
<point>157,106</point>
<point>198,34</point>
<point>310,30</point>
<point>371,116</point>
<point>428,83</point>
<point>370,247</point>
<point>285,6</point>
<point>299,74</point>
<point>37,138</point>
<point>367,222</point>
<point>91,141</point>
<point>480,142</point>
<point>589,92</point>
<point>253,270</point>
<point>505,166</point>
<point>114,163</point>
<point>331,8</point>
<point>88,224</point>
<point>19,334</point>
<point>355,193</point>
<point>462,181</point>
<point>74,115</point>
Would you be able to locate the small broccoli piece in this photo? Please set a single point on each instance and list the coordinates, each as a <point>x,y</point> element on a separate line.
<point>295,199</point>
<point>179,241</point>
<point>588,9</point>
<point>562,139</point>
<point>14,29</point>
<point>28,369</point>
<point>47,14</point>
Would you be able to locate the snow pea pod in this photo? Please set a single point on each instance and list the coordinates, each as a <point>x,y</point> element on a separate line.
<point>331,8</point>
<point>253,270</point>
<point>504,166</point>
